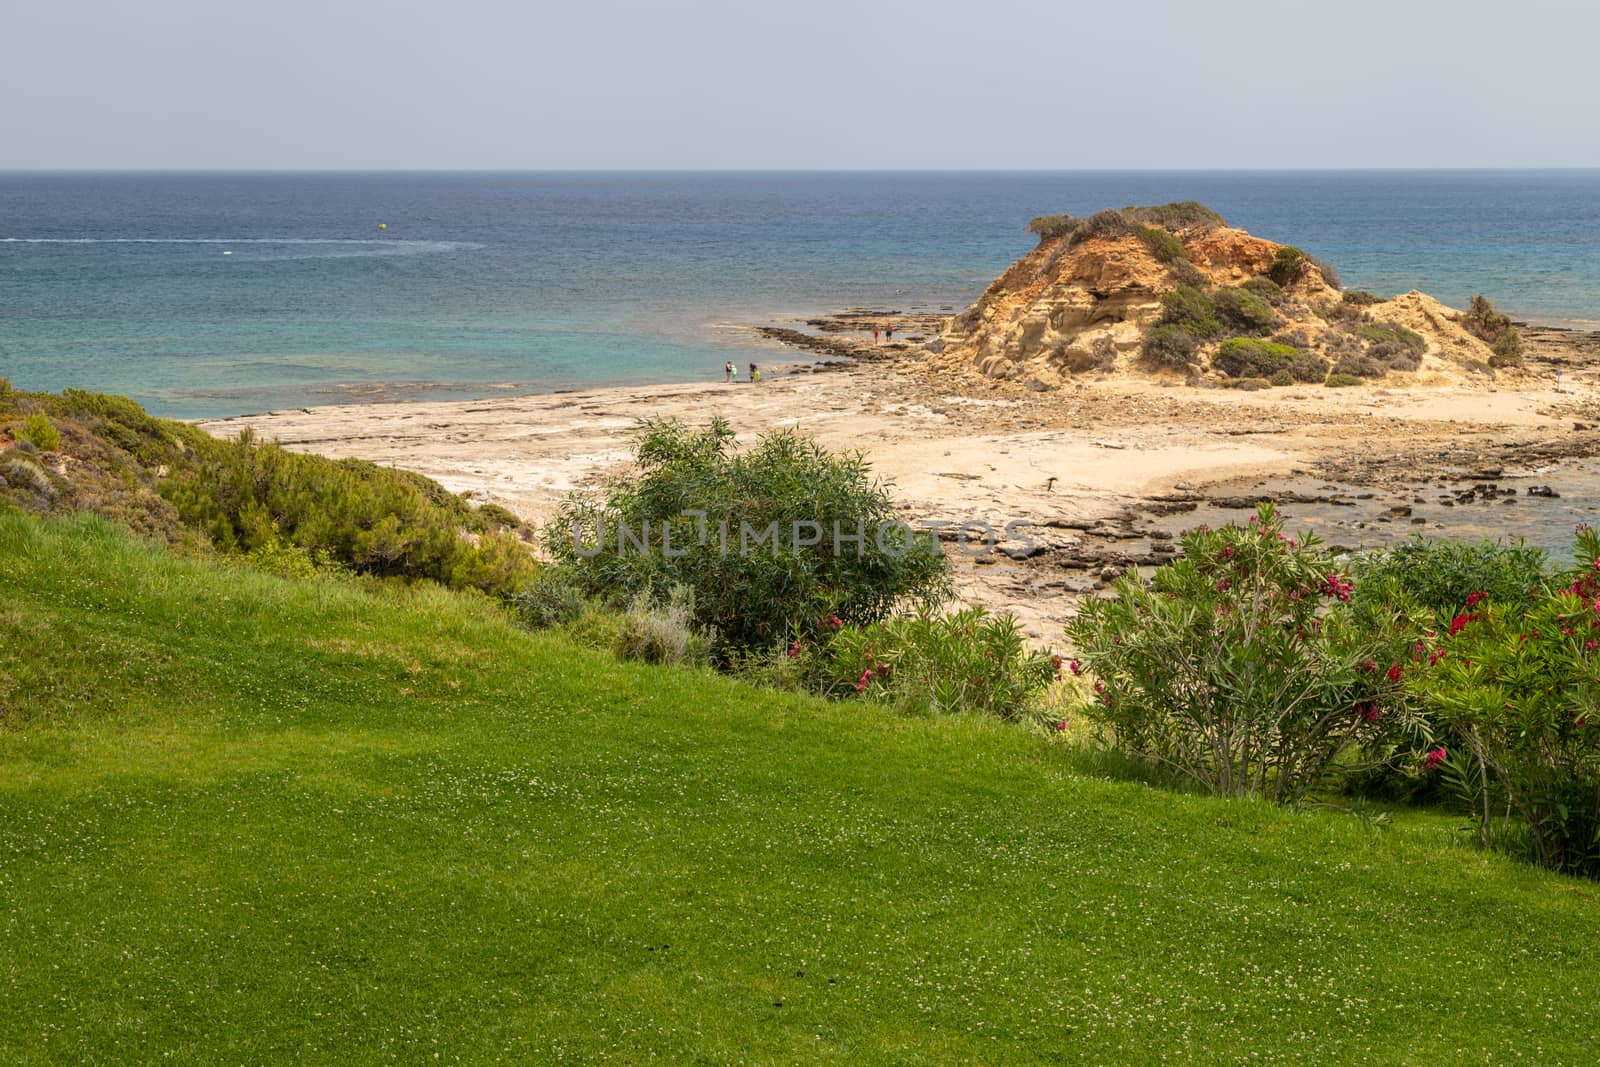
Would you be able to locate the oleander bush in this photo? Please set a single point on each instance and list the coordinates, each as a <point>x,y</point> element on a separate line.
<point>1247,667</point>
<point>1519,684</point>
<point>922,663</point>
<point>763,539</point>
<point>1442,576</point>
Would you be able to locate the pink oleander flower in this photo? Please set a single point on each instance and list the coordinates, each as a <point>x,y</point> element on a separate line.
<point>1062,725</point>
<point>1473,598</point>
<point>1076,668</point>
<point>794,648</point>
<point>1396,672</point>
<point>1436,757</point>
<point>1372,713</point>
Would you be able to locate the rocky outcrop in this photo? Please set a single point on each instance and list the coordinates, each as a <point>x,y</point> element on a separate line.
<point>1078,305</point>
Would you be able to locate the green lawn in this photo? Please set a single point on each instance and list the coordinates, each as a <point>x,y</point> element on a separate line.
<point>246,820</point>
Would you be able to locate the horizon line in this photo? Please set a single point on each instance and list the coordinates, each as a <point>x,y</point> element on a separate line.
<point>811,170</point>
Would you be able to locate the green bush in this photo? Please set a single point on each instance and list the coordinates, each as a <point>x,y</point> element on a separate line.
<point>764,540</point>
<point>1052,226</point>
<point>1286,265</point>
<point>1266,289</point>
<point>1282,377</point>
<point>1242,311</point>
<point>1110,224</point>
<point>1520,685</point>
<point>37,430</point>
<point>966,661</point>
<point>1360,298</point>
<point>1246,667</point>
<point>1164,246</point>
<point>550,600</point>
<point>1190,307</point>
<point>1342,381</point>
<point>1249,357</point>
<point>374,520</point>
<point>1440,575</point>
<point>1181,215</point>
<point>1170,346</point>
<point>1495,329</point>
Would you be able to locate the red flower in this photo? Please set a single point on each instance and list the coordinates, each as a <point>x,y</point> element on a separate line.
<point>1076,668</point>
<point>1062,725</point>
<point>794,648</point>
<point>1473,598</point>
<point>1436,757</point>
<point>1395,672</point>
<point>1371,714</point>
<point>1459,623</point>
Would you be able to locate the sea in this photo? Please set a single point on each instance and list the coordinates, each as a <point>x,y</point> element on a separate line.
<point>218,294</point>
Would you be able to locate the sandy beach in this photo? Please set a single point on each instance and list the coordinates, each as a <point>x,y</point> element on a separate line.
<point>1106,473</point>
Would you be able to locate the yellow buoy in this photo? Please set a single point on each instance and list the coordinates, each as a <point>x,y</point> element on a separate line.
<point>383,225</point>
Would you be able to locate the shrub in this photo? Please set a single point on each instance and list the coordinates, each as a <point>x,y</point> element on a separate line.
<point>37,430</point>
<point>1051,226</point>
<point>1170,346</point>
<point>1181,215</point>
<point>1286,265</point>
<point>1520,685</point>
<point>1440,575</point>
<point>1266,289</point>
<point>1393,336</point>
<point>1243,311</point>
<point>1507,349</point>
<point>663,632</point>
<point>1282,377</point>
<point>374,520</point>
<point>1243,667</point>
<point>966,661</point>
<point>1164,246</point>
<point>1110,224</point>
<point>552,599</point>
<point>1360,298</point>
<point>1248,357</point>
<point>1342,381</point>
<point>1191,308</point>
<point>764,540</point>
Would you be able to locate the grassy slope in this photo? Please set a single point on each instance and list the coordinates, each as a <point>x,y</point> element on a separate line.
<point>243,820</point>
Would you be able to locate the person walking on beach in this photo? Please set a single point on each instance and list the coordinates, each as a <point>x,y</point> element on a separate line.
<point>874,333</point>
<point>755,373</point>
<point>888,330</point>
<point>727,371</point>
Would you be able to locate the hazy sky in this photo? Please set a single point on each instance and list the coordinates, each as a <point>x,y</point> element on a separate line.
<point>536,84</point>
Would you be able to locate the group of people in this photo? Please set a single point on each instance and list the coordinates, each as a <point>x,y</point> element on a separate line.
<point>888,331</point>
<point>732,372</point>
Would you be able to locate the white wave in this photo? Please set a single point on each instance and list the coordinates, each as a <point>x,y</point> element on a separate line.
<point>443,246</point>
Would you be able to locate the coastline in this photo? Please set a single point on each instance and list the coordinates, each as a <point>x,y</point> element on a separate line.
<point>1107,472</point>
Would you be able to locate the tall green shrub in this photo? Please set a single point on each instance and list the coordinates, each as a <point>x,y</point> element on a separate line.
<point>768,540</point>
<point>1245,666</point>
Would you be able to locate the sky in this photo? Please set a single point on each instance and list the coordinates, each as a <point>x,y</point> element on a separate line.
<point>865,84</point>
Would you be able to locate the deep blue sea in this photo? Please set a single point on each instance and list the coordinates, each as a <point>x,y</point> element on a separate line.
<point>212,294</point>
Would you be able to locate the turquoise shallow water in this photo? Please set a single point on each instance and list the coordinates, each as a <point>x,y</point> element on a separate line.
<point>208,295</point>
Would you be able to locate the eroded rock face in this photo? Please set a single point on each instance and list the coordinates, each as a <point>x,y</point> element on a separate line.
<point>1064,310</point>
